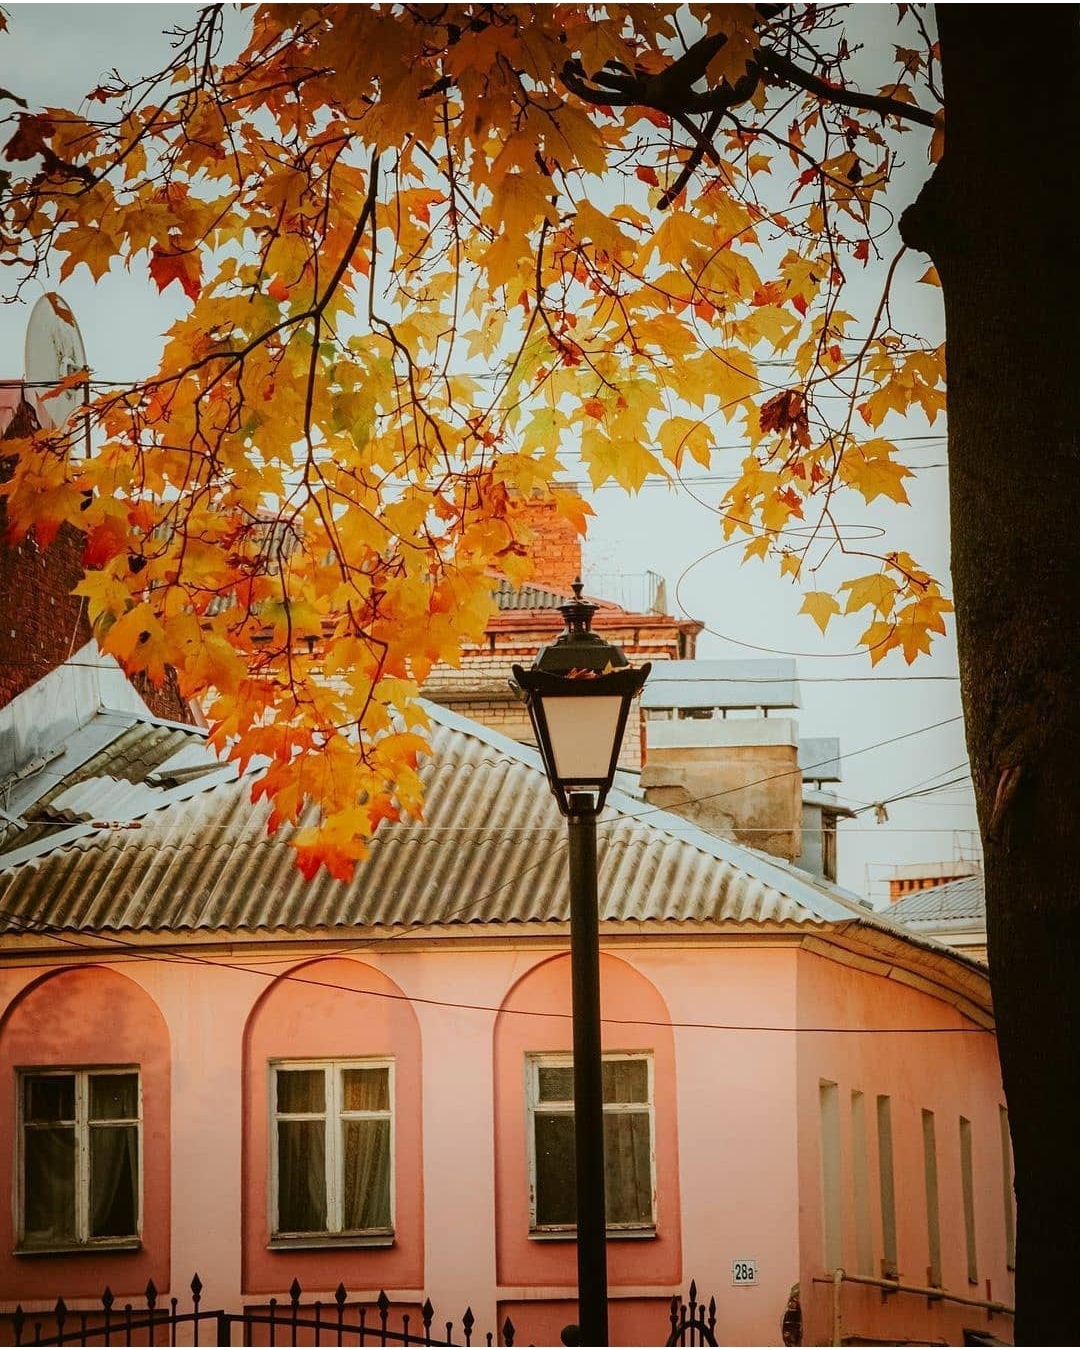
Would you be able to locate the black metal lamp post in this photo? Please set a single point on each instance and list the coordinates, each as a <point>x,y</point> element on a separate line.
<point>578,693</point>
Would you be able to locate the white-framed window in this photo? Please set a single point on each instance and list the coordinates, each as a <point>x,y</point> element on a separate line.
<point>79,1158</point>
<point>332,1149</point>
<point>629,1142</point>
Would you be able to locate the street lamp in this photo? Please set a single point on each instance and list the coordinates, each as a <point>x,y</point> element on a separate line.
<point>578,693</point>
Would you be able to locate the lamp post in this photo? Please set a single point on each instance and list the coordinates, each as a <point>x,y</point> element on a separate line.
<point>578,693</point>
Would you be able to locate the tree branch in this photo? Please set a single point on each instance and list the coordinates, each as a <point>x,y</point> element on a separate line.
<point>785,69</point>
<point>672,91</point>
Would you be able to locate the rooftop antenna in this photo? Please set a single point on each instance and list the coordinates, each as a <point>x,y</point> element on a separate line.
<point>54,351</point>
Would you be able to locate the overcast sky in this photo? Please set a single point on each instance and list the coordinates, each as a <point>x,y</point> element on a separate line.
<point>55,53</point>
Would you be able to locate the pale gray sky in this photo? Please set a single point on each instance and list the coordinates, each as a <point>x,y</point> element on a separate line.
<point>55,53</point>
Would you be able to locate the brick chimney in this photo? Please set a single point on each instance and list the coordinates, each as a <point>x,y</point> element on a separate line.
<point>555,548</point>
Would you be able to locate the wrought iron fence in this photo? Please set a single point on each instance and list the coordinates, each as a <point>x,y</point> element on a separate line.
<point>277,1322</point>
<point>692,1323</point>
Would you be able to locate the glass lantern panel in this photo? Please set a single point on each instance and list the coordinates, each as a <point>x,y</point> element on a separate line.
<point>582,732</point>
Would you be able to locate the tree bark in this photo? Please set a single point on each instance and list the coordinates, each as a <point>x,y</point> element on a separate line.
<point>999,219</point>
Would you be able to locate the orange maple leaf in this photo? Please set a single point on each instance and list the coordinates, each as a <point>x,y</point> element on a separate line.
<point>166,267</point>
<point>105,541</point>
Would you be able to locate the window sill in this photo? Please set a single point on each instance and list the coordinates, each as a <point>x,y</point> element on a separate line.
<point>613,1234</point>
<point>322,1241</point>
<point>106,1245</point>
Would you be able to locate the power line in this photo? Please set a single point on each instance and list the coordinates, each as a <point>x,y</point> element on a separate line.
<point>15,663</point>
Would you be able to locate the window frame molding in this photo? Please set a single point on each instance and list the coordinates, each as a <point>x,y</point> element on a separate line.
<point>564,1059</point>
<point>81,1126</point>
<point>332,1067</point>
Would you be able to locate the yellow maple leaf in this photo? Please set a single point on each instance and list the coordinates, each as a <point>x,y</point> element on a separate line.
<point>879,639</point>
<point>876,590</point>
<point>139,642</point>
<point>871,470</point>
<point>821,606</point>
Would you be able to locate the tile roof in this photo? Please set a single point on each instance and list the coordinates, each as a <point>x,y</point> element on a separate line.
<point>509,598</point>
<point>953,901</point>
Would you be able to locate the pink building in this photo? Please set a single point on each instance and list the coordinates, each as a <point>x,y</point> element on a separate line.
<point>208,1064</point>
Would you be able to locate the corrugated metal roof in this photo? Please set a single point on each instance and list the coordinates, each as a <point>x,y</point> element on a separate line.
<point>962,899</point>
<point>722,684</point>
<point>491,849</point>
<point>101,775</point>
<point>527,597</point>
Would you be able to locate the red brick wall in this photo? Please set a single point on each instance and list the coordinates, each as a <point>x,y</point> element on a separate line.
<point>42,624</point>
<point>480,687</point>
<point>901,886</point>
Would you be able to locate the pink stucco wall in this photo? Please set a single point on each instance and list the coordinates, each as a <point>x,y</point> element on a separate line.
<point>736,1111</point>
<point>333,1009</point>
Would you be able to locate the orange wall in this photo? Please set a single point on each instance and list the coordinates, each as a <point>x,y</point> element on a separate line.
<point>534,1017</point>
<point>91,1016</point>
<point>938,1061</point>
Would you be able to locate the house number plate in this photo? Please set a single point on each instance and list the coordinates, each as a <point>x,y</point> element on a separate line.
<point>744,1272</point>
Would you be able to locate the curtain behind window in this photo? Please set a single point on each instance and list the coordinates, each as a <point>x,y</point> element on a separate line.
<point>366,1152</point>
<point>49,1184</point>
<point>114,1181</point>
<point>301,1176</point>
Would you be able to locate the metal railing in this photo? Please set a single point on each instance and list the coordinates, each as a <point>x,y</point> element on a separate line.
<point>932,1293</point>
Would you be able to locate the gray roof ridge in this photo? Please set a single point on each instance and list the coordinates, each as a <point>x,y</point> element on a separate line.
<point>151,720</point>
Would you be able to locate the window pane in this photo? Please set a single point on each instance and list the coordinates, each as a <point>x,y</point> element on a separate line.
<point>625,1080</point>
<point>555,1170</point>
<point>627,1167</point>
<point>114,1096</point>
<point>49,1185</point>
<point>301,1176</point>
<point>114,1181</point>
<point>50,1098</point>
<point>366,1146</point>
<point>555,1084</point>
<point>365,1089</point>
<point>300,1090</point>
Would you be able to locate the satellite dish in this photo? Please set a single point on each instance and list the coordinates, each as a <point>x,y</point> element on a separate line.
<point>54,350</point>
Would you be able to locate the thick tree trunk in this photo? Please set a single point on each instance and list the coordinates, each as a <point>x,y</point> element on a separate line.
<point>999,218</point>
